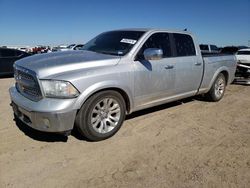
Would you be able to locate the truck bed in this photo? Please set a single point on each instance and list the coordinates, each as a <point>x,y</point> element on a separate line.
<point>213,64</point>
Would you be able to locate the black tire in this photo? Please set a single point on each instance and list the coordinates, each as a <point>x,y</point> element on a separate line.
<point>83,118</point>
<point>214,94</point>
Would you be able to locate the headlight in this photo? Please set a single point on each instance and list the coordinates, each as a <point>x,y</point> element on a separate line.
<point>59,89</point>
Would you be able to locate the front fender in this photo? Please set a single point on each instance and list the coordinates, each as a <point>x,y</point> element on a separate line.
<point>108,84</point>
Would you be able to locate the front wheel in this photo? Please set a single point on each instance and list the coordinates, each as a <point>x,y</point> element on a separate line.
<point>101,116</point>
<point>218,88</point>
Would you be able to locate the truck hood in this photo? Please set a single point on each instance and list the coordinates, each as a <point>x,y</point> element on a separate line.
<point>47,65</point>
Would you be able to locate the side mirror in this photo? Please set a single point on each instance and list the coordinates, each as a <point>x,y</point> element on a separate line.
<point>153,54</point>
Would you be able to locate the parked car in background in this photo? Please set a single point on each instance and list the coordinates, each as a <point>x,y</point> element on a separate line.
<point>209,48</point>
<point>39,49</point>
<point>243,56</point>
<point>59,47</point>
<point>7,58</point>
<point>243,47</point>
<point>243,68</point>
<point>72,47</point>
<point>229,50</point>
<point>24,49</point>
<point>116,73</point>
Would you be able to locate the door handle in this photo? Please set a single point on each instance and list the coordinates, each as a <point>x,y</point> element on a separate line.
<point>197,64</point>
<point>169,66</point>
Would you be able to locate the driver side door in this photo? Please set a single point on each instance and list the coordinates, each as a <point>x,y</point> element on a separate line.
<point>154,79</point>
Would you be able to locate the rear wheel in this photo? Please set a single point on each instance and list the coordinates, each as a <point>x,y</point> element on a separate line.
<point>218,88</point>
<point>101,116</point>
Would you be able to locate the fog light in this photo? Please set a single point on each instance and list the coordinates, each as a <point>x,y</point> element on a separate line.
<point>46,123</point>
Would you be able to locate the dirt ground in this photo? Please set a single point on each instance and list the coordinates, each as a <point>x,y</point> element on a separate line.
<point>189,143</point>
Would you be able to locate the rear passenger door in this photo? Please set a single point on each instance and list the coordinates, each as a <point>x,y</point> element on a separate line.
<point>188,65</point>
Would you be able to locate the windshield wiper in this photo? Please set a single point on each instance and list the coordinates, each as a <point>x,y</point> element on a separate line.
<point>108,53</point>
<point>105,52</point>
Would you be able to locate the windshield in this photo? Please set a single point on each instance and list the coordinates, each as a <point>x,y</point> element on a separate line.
<point>243,53</point>
<point>114,42</point>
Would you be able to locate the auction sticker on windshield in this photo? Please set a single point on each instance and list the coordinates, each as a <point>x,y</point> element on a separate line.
<point>128,41</point>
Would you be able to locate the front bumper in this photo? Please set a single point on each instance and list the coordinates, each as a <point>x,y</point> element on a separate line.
<point>48,115</point>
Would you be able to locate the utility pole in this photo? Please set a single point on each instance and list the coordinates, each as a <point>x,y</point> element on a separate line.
<point>248,43</point>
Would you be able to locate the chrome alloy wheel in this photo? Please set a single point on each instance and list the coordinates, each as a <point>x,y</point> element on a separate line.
<point>105,115</point>
<point>219,87</point>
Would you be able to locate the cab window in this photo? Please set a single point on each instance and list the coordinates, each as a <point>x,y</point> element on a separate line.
<point>184,45</point>
<point>157,40</point>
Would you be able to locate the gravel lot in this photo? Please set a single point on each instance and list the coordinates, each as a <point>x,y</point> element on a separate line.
<point>190,143</point>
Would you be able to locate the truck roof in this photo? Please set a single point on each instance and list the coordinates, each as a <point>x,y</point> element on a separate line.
<point>153,29</point>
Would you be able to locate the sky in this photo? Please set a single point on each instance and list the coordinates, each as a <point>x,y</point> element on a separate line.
<point>54,22</point>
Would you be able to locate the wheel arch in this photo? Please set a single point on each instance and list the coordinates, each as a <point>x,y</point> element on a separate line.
<point>224,71</point>
<point>119,90</point>
<point>226,74</point>
<point>92,90</point>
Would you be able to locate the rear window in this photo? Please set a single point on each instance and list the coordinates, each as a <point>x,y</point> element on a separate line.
<point>243,53</point>
<point>184,45</point>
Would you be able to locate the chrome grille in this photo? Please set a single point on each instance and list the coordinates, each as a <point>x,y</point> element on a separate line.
<point>26,83</point>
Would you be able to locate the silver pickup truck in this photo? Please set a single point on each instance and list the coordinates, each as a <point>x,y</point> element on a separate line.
<point>115,74</point>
